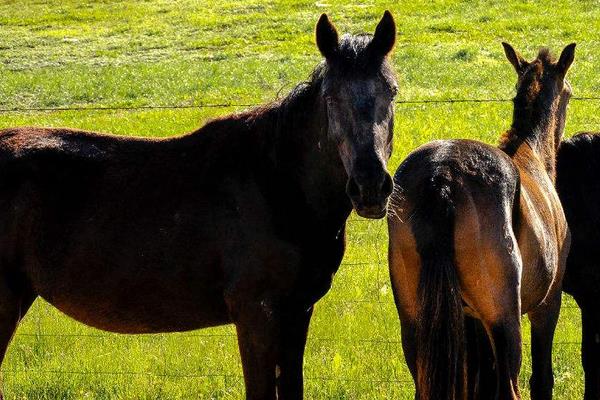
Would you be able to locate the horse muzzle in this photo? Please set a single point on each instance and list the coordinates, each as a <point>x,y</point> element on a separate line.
<point>369,197</point>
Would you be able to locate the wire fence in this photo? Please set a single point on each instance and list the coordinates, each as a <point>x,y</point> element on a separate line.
<point>376,300</point>
<point>242,105</point>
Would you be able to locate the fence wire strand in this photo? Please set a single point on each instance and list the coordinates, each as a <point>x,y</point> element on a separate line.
<point>192,375</point>
<point>243,105</point>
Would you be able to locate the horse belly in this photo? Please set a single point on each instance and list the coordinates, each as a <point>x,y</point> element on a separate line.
<point>132,304</point>
<point>540,267</point>
<point>171,316</point>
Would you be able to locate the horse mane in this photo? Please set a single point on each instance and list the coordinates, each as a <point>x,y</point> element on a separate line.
<point>267,124</point>
<point>510,141</point>
<point>526,103</point>
<point>270,124</point>
<point>352,53</point>
<point>545,56</point>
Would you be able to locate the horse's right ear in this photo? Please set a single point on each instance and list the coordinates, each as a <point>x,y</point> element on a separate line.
<point>515,58</point>
<point>327,37</point>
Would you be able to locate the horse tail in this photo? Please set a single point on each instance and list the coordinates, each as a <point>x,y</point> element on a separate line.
<point>440,327</point>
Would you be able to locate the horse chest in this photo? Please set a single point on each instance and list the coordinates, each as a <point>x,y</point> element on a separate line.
<point>317,272</point>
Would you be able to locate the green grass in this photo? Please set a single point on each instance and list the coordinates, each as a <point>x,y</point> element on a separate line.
<point>134,53</point>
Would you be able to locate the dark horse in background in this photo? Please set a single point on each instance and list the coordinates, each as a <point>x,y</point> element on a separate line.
<point>242,221</point>
<point>479,231</point>
<point>578,185</point>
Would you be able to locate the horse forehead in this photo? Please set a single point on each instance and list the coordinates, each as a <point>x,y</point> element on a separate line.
<point>360,89</point>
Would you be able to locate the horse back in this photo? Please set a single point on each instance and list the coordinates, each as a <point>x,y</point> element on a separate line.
<point>473,169</point>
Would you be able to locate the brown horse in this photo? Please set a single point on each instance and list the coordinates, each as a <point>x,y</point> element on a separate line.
<point>241,221</point>
<point>479,231</point>
<point>578,185</point>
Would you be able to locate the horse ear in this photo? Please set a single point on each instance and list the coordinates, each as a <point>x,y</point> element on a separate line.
<point>566,58</point>
<point>327,37</point>
<point>515,58</point>
<point>385,35</point>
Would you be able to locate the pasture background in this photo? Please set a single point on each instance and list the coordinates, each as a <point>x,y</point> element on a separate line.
<point>57,54</point>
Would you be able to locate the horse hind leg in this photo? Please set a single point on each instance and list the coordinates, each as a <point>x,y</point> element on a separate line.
<point>481,364</point>
<point>504,333</point>
<point>506,337</point>
<point>15,299</point>
<point>491,288</point>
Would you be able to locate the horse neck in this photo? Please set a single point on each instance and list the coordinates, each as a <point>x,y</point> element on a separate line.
<point>540,126</point>
<point>309,162</point>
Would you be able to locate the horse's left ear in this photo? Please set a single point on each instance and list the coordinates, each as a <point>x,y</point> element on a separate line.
<point>385,35</point>
<point>515,58</point>
<point>566,58</point>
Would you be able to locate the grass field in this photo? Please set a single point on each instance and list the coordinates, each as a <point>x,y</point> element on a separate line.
<point>140,53</point>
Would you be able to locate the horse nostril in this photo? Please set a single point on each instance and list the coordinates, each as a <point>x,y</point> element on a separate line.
<point>352,189</point>
<point>388,185</point>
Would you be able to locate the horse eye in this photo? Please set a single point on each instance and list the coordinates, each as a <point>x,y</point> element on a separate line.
<point>394,91</point>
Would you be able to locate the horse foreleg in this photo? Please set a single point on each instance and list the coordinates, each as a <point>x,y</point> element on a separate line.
<point>543,323</point>
<point>258,325</point>
<point>590,350</point>
<point>288,369</point>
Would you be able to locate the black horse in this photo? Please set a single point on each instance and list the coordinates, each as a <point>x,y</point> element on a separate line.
<point>578,184</point>
<point>242,221</point>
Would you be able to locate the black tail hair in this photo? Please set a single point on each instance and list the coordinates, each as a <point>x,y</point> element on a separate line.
<point>440,324</point>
